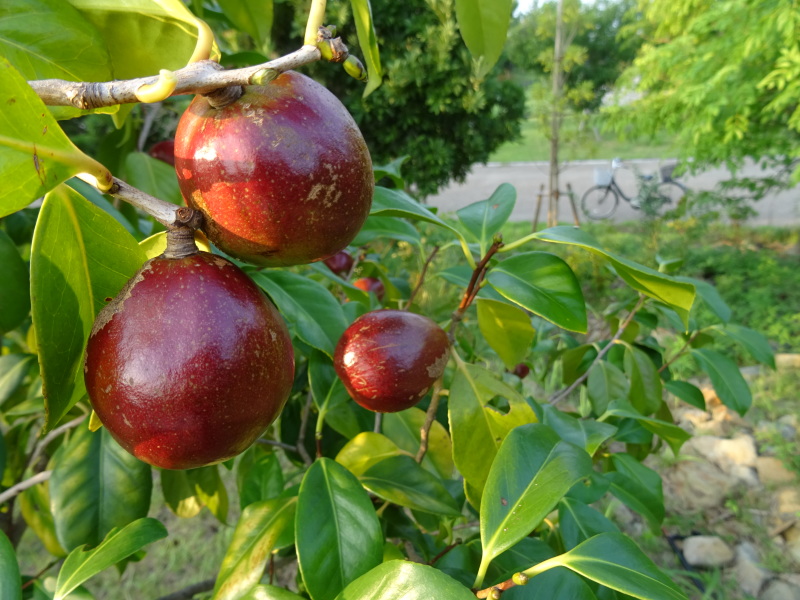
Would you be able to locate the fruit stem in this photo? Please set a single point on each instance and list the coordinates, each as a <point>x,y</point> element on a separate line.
<point>163,212</point>
<point>180,243</point>
<point>316,15</point>
<point>430,416</point>
<point>473,287</point>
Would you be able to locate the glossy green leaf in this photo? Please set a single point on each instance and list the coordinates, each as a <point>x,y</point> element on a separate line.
<point>578,522</point>
<point>645,393</point>
<point>153,176</point>
<point>368,42</point>
<point>396,203</point>
<point>310,310</point>
<point>403,580</point>
<point>532,471</point>
<point>753,341</point>
<point>392,228</point>
<point>13,369</point>
<point>95,487</point>
<point>35,154</point>
<point>352,292</point>
<point>726,378</point>
<point>50,39</point>
<point>338,535</point>
<point>482,220</point>
<point>677,294</point>
<point>269,592</point>
<point>82,256</point>
<point>584,433</point>
<point>259,530</point>
<point>477,429</point>
<point>483,25</point>
<point>364,450</point>
<point>180,494</point>
<point>543,284</point>
<point>614,560</point>
<point>34,504</point>
<point>258,475</point>
<point>251,16</point>
<point>556,584</point>
<point>639,488</point>
<point>118,544</point>
<point>507,329</point>
<point>672,434</point>
<point>327,389</point>
<point>10,580</point>
<point>687,392</point>
<point>403,428</point>
<point>605,384</point>
<point>400,480</point>
<point>14,286</point>
<point>710,296</point>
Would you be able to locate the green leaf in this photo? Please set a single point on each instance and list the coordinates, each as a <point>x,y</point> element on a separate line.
<point>687,392</point>
<point>558,583</point>
<point>403,428</point>
<point>251,16</point>
<point>50,39</point>
<point>483,25</point>
<point>269,592</point>
<point>605,384</point>
<point>754,342</point>
<point>677,294</point>
<point>368,42</point>
<point>10,580</point>
<point>639,488</point>
<point>586,434</point>
<point>34,504</point>
<point>153,176</point>
<point>532,471</point>
<point>396,203</point>
<point>14,286</point>
<point>543,284</point>
<point>260,529</point>
<point>35,154</point>
<point>710,296</point>
<point>579,522</point>
<point>400,480</point>
<point>338,535</point>
<point>310,310</point>
<point>180,494</point>
<point>615,561</point>
<point>726,378</point>
<point>95,487</point>
<point>392,228</point>
<point>211,490</point>
<point>478,429</point>
<point>81,256</point>
<point>672,434</point>
<point>365,450</point>
<point>259,476</point>
<point>482,220</point>
<point>403,580</point>
<point>82,564</point>
<point>327,389</point>
<point>646,391</point>
<point>13,369</point>
<point>507,329</point>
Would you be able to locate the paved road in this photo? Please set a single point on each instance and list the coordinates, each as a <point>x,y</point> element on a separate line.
<point>781,209</point>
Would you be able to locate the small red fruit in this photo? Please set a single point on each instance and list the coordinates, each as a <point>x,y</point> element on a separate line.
<point>521,370</point>
<point>190,363</point>
<point>163,151</point>
<point>389,359</point>
<point>371,284</point>
<point>340,263</point>
<point>282,175</point>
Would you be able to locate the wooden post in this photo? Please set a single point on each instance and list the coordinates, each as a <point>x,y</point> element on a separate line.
<point>571,195</point>
<point>539,198</point>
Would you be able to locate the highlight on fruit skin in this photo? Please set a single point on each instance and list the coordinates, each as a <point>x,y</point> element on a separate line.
<point>389,359</point>
<point>282,176</point>
<point>190,363</point>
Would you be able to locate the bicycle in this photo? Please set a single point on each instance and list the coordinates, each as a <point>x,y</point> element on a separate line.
<point>601,201</point>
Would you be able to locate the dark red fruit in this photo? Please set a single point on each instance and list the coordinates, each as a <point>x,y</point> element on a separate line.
<point>389,359</point>
<point>371,284</point>
<point>164,151</point>
<point>340,263</point>
<point>282,175</point>
<point>190,363</point>
<point>521,370</point>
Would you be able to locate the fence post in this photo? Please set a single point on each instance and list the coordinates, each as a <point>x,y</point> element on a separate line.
<point>535,224</point>
<point>571,195</point>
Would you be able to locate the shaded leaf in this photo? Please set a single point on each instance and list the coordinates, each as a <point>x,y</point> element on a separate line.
<point>584,433</point>
<point>153,176</point>
<point>259,476</point>
<point>251,16</point>
<point>645,393</point>
<point>15,297</point>
<point>392,228</point>
<point>10,579</point>
<point>672,434</point>
<point>754,342</point>
<point>579,522</point>
<point>482,220</point>
<point>13,369</point>
<point>507,329</point>
<point>726,378</point>
<point>605,384</point>
<point>687,392</point>
<point>710,296</point>
<point>639,488</point>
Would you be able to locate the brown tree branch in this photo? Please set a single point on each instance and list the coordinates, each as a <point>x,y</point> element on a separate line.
<point>429,418</point>
<point>14,490</point>
<point>421,277</point>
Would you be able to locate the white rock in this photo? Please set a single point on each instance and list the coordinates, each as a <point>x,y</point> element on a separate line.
<point>772,471</point>
<point>692,486</point>
<point>787,502</point>
<point>748,571</point>
<point>740,450</point>
<point>780,590</point>
<point>707,551</point>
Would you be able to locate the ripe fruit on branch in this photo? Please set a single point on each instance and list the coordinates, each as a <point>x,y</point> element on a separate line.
<point>283,175</point>
<point>163,151</point>
<point>521,370</point>
<point>190,363</point>
<point>389,359</point>
<point>371,284</point>
<point>340,263</point>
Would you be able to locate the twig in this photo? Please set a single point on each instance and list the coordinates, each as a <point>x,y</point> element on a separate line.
<point>556,398</point>
<point>421,277</point>
<point>42,444</point>
<point>40,573</point>
<point>680,352</point>
<point>495,590</point>
<point>190,591</point>
<point>301,436</point>
<point>429,418</point>
<point>24,485</point>
<point>163,212</point>
<point>473,287</point>
<point>445,551</point>
<point>200,77</point>
<point>277,444</point>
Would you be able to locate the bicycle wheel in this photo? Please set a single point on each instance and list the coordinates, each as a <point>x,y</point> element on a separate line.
<point>599,202</point>
<point>671,192</point>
